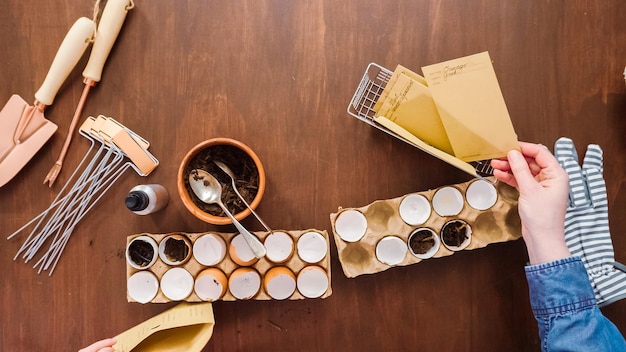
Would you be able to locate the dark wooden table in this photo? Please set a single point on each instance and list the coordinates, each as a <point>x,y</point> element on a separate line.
<point>278,76</point>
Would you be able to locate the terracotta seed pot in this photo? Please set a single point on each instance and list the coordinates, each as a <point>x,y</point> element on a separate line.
<point>213,147</point>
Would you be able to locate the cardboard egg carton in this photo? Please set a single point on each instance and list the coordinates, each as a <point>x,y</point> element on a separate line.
<point>500,223</point>
<point>227,265</point>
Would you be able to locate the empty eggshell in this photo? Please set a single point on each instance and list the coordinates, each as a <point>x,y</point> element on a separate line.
<point>240,251</point>
<point>244,283</point>
<point>142,286</point>
<point>312,281</point>
<point>209,249</point>
<point>351,225</point>
<point>279,282</point>
<point>481,195</point>
<point>279,247</point>
<point>448,201</point>
<point>176,284</point>
<point>211,284</point>
<point>312,247</point>
<point>391,250</point>
<point>414,209</point>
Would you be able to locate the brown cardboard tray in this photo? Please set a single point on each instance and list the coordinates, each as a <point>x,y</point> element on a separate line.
<point>228,266</point>
<point>499,223</point>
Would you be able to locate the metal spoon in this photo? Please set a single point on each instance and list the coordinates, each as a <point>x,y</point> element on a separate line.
<point>230,174</point>
<point>209,190</point>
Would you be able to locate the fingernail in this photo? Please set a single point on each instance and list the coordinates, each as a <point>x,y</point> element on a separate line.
<point>514,154</point>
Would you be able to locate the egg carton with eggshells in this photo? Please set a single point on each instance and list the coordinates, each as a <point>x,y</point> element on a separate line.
<point>375,237</point>
<point>220,266</point>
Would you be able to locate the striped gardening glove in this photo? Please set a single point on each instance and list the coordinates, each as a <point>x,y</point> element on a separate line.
<point>587,221</point>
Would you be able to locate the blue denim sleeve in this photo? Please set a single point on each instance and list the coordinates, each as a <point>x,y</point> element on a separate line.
<point>564,305</point>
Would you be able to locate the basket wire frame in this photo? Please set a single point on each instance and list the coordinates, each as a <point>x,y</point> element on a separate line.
<point>367,94</point>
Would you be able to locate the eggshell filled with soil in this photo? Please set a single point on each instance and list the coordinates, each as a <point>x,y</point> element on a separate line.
<point>175,249</point>
<point>423,243</point>
<point>456,235</point>
<point>142,252</point>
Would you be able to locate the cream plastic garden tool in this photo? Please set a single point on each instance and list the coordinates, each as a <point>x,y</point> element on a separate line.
<point>24,128</point>
<point>108,29</point>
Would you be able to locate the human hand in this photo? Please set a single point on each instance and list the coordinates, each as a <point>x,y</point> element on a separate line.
<point>543,187</point>
<point>587,232</point>
<point>105,345</point>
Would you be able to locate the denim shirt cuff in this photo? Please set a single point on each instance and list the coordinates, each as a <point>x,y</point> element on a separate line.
<point>559,287</point>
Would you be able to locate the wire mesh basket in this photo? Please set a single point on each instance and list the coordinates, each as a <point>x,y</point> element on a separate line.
<point>367,94</point>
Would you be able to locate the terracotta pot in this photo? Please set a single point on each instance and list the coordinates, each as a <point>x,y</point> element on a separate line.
<point>187,198</point>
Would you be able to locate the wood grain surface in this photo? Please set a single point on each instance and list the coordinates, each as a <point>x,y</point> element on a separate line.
<point>278,75</point>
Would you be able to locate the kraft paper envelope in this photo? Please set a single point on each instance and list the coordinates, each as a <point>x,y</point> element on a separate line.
<point>392,81</point>
<point>409,104</point>
<point>471,107</point>
<point>186,327</point>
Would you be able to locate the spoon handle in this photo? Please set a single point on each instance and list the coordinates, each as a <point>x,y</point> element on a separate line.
<point>248,206</point>
<point>255,244</point>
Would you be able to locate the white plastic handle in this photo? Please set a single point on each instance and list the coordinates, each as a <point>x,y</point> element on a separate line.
<point>108,29</point>
<point>70,51</point>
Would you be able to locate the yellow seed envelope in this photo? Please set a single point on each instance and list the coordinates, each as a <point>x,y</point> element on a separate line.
<point>392,81</point>
<point>186,327</point>
<point>409,104</point>
<point>471,107</point>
